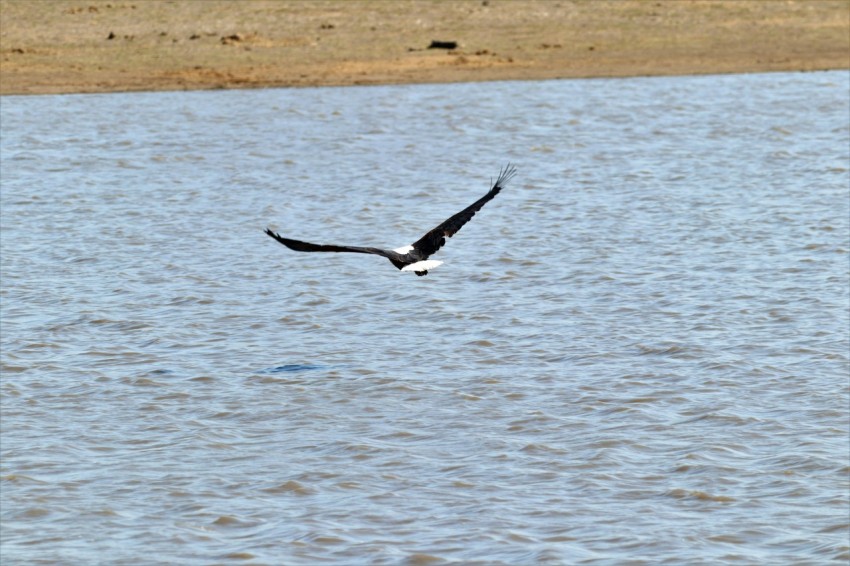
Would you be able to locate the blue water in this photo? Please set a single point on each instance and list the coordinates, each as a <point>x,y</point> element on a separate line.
<point>638,352</point>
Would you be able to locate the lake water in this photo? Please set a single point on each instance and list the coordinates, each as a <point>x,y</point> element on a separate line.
<point>637,353</point>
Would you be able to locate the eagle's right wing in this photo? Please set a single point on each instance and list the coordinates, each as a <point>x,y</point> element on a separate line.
<point>436,238</point>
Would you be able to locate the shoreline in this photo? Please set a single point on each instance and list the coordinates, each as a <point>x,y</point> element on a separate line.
<point>411,83</point>
<point>99,46</point>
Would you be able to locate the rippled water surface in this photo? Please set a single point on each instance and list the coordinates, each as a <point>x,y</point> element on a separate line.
<point>637,352</point>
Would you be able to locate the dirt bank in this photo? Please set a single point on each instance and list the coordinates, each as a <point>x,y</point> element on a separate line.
<point>124,45</point>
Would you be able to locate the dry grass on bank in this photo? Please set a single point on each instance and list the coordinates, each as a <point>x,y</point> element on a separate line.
<point>66,46</point>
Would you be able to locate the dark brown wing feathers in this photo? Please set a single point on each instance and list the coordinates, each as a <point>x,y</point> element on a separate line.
<point>436,238</point>
<point>300,246</point>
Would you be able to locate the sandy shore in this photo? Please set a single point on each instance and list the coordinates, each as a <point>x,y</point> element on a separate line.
<point>127,45</point>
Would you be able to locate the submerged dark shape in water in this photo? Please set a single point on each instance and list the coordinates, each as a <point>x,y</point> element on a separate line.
<point>415,256</point>
<point>287,368</point>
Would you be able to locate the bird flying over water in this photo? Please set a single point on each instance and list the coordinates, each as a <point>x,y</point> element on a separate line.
<point>415,256</point>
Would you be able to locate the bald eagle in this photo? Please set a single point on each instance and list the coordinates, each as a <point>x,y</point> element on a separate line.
<point>415,256</point>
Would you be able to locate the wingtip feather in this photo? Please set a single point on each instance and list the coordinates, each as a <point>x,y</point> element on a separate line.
<point>505,175</point>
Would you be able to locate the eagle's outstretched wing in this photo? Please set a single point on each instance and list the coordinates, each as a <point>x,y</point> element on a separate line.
<point>300,246</point>
<point>436,238</point>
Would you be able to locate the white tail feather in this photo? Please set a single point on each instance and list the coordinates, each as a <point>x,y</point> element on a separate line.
<point>422,265</point>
